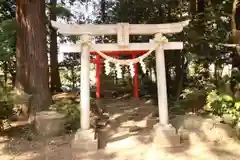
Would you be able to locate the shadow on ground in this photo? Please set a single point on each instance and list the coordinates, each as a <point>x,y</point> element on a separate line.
<point>128,136</point>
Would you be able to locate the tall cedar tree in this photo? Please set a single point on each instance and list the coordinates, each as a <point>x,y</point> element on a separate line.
<point>55,77</point>
<point>32,61</point>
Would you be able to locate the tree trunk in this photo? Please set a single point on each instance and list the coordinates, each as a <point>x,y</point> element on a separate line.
<point>13,79</point>
<point>55,77</point>
<point>179,70</point>
<point>5,67</point>
<point>182,77</point>
<point>200,6</point>
<point>168,79</point>
<point>234,25</point>
<point>32,62</point>
<point>22,72</point>
<point>103,10</point>
<point>193,7</point>
<point>72,78</point>
<point>235,33</point>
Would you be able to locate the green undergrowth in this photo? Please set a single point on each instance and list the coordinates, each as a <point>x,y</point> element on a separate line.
<point>214,102</point>
<point>224,105</point>
<point>71,108</point>
<point>191,99</point>
<point>8,101</point>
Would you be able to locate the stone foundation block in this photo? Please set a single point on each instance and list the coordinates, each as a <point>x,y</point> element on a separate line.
<point>50,123</point>
<point>165,136</point>
<point>84,141</point>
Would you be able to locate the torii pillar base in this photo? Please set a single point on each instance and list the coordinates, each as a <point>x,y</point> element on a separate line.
<point>165,136</point>
<point>84,141</point>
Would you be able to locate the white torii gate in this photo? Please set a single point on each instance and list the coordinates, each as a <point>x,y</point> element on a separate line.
<point>123,31</point>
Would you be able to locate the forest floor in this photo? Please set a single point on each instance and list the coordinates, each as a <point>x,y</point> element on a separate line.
<point>127,136</point>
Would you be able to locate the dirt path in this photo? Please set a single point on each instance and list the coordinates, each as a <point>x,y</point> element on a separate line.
<point>127,136</point>
<point>59,149</point>
<point>130,138</point>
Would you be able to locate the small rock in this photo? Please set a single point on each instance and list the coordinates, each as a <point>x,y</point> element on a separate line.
<point>150,101</point>
<point>196,137</point>
<point>217,118</point>
<point>135,129</point>
<point>177,121</point>
<point>210,129</point>
<point>193,136</point>
<point>207,125</point>
<point>192,121</point>
<point>102,122</point>
<point>220,132</point>
<point>227,118</point>
<point>238,129</point>
<point>183,133</point>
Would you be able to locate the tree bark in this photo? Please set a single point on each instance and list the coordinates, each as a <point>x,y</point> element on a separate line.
<point>193,7</point>
<point>22,72</point>
<point>32,62</point>
<point>200,6</point>
<point>179,70</point>
<point>55,77</point>
<point>5,67</point>
<point>103,10</point>
<point>234,25</point>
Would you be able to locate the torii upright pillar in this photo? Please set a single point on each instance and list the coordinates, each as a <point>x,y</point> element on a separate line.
<point>84,138</point>
<point>85,85</point>
<point>161,84</point>
<point>165,134</point>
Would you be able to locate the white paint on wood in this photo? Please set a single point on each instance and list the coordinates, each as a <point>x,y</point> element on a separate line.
<point>85,85</point>
<point>76,48</point>
<point>120,38</point>
<point>161,84</point>
<point>230,45</point>
<point>123,34</point>
<point>126,33</point>
<point>111,29</point>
